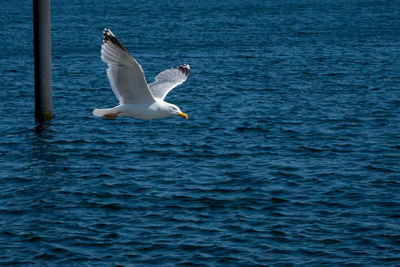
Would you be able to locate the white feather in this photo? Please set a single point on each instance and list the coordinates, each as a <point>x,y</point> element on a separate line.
<point>130,87</point>
<point>168,79</point>
<point>125,74</point>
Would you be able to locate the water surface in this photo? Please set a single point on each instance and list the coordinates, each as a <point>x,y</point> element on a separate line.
<point>290,155</point>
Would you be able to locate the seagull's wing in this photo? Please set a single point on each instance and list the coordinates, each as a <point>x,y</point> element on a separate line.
<point>125,74</point>
<point>168,79</point>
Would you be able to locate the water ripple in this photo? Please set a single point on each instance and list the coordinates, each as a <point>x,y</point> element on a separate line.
<point>289,157</point>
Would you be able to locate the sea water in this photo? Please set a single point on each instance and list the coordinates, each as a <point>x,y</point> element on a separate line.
<point>290,155</point>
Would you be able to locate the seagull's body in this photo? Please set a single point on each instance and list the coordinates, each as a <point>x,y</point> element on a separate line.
<point>156,110</point>
<point>137,99</point>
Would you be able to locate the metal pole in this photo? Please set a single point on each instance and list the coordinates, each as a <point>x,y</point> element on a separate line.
<point>42,56</point>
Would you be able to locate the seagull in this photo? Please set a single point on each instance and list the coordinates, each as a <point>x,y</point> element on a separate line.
<point>137,99</point>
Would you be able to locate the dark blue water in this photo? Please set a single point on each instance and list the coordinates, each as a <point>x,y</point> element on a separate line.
<point>290,155</point>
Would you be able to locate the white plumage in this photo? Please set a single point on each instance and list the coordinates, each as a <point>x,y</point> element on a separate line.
<point>168,80</point>
<point>137,99</point>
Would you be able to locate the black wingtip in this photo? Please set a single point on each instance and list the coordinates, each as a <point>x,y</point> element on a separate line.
<point>185,69</point>
<point>108,36</point>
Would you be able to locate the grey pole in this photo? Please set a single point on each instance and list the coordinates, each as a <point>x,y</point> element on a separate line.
<point>42,56</point>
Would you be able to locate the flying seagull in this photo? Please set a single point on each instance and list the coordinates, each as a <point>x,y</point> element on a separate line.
<point>137,99</point>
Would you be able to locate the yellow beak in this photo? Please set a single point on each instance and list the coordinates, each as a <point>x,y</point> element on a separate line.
<point>183,115</point>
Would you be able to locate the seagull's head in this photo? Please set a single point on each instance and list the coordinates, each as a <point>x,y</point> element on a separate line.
<point>174,110</point>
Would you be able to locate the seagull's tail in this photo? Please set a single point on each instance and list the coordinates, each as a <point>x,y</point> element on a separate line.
<point>100,112</point>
